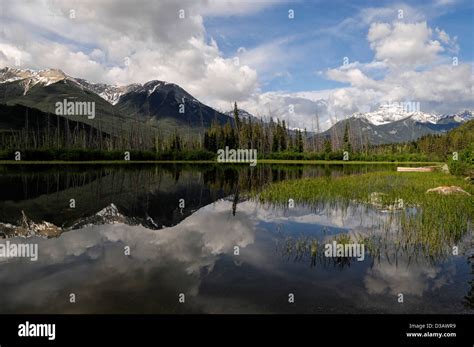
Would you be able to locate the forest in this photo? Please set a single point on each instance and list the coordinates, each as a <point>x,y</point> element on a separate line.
<point>41,136</point>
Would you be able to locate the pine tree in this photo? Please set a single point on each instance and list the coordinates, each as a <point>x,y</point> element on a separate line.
<point>327,146</point>
<point>299,142</point>
<point>238,124</point>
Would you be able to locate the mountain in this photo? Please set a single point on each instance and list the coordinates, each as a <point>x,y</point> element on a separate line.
<point>461,117</point>
<point>156,101</point>
<point>155,105</point>
<point>41,90</point>
<point>389,113</point>
<point>109,93</point>
<point>243,115</point>
<point>139,111</point>
<point>394,124</point>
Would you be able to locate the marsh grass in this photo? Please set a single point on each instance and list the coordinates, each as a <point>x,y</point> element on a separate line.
<point>426,224</point>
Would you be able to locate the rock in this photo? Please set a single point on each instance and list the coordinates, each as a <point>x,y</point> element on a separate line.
<point>447,190</point>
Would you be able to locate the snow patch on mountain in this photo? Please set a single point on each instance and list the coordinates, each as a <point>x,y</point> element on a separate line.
<point>30,78</point>
<point>388,113</point>
<point>110,93</point>
<point>460,117</point>
<point>242,115</point>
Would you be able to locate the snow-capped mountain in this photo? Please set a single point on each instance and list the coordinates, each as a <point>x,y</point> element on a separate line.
<point>167,105</point>
<point>47,76</point>
<point>28,78</point>
<point>388,113</point>
<point>111,93</point>
<point>242,114</point>
<point>460,117</point>
<point>393,124</point>
<point>159,104</point>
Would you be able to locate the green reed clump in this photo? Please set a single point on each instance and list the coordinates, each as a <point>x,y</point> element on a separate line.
<point>429,223</point>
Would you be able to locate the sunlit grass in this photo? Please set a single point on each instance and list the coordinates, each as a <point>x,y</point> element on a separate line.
<point>420,222</point>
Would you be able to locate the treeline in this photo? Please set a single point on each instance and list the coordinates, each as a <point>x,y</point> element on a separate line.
<point>41,136</point>
<point>23,128</point>
<point>266,138</point>
<point>274,140</point>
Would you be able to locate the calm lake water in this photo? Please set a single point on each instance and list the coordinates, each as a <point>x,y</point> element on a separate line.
<point>191,249</point>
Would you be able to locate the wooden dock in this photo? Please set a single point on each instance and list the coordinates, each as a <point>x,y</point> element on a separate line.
<point>415,169</point>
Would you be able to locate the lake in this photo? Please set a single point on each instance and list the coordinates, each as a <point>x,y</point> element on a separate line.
<point>179,238</point>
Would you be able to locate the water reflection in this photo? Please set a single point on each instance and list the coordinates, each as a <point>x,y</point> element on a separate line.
<point>148,193</point>
<point>197,258</point>
<point>226,253</point>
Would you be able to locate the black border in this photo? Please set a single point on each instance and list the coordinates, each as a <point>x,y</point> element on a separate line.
<point>317,330</point>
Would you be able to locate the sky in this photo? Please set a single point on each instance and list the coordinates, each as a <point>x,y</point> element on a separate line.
<point>287,59</point>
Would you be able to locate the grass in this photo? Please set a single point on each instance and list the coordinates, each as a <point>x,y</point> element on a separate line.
<point>409,186</point>
<point>426,223</point>
<point>278,161</point>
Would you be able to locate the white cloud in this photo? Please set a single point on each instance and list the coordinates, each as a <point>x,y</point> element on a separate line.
<point>353,76</point>
<point>394,279</point>
<point>403,44</point>
<point>410,60</point>
<point>297,110</point>
<point>409,65</point>
<point>151,36</point>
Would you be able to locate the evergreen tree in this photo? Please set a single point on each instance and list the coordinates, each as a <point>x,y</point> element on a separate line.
<point>327,146</point>
<point>299,142</point>
<point>238,124</point>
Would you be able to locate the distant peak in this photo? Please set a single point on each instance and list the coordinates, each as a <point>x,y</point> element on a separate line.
<point>32,77</point>
<point>392,112</point>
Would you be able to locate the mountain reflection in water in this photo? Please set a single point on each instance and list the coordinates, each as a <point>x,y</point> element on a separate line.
<point>193,251</point>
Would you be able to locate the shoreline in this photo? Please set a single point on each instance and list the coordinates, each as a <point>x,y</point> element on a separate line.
<point>262,161</point>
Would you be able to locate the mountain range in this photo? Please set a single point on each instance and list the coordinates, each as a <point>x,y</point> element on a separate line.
<point>164,107</point>
<point>156,104</point>
<point>393,124</point>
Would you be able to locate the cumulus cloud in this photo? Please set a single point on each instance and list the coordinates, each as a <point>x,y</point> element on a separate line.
<point>412,67</point>
<point>125,42</point>
<point>297,110</point>
<point>403,43</point>
<point>414,280</point>
<point>411,62</point>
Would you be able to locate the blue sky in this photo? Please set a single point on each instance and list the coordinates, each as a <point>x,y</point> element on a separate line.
<point>313,44</point>
<point>283,64</point>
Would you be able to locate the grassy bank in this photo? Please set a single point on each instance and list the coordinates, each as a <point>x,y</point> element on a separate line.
<point>410,186</point>
<point>425,221</point>
<point>276,161</point>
